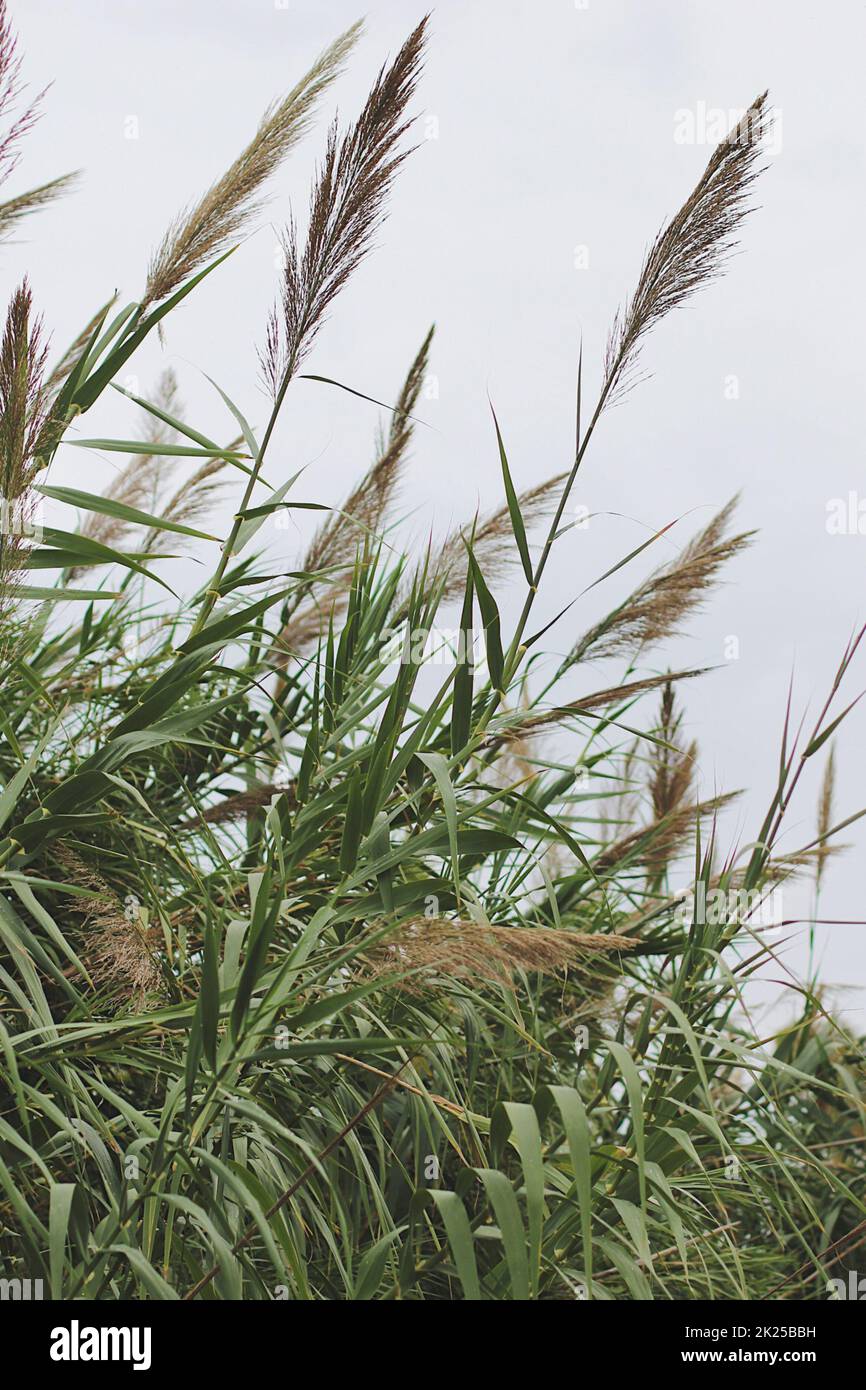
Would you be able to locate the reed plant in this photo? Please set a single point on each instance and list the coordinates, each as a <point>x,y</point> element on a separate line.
<point>324,979</point>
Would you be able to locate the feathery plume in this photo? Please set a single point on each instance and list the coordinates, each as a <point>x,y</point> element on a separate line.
<point>493,539</point>
<point>138,482</point>
<point>10,91</point>
<point>522,726</point>
<point>671,776</point>
<point>16,128</point>
<point>515,764</point>
<point>346,210</point>
<point>238,806</point>
<point>120,954</point>
<point>23,403</point>
<point>476,950</point>
<point>24,409</point>
<point>825,817</point>
<point>335,543</point>
<point>14,209</point>
<point>656,610</point>
<point>693,248</point>
<point>656,844</point>
<point>119,950</point>
<point>365,508</point>
<point>400,428</point>
<point>228,205</point>
<point>673,766</point>
<point>195,497</point>
<point>302,632</point>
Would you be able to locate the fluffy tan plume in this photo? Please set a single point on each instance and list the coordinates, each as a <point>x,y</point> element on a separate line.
<point>522,726</point>
<point>692,249</point>
<point>493,539</point>
<point>363,514</point>
<point>823,850</point>
<point>229,204</point>
<point>347,207</point>
<point>657,609</point>
<point>24,410</point>
<point>425,947</point>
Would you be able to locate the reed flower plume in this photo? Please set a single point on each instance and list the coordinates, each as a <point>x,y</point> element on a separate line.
<point>118,948</point>
<point>670,779</point>
<point>366,506</point>
<point>24,410</point>
<point>823,850</point>
<point>364,511</point>
<point>120,955</point>
<point>673,766</point>
<point>347,206</point>
<point>425,947</point>
<point>370,500</point>
<point>692,249</point>
<point>34,200</point>
<point>658,608</point>
<point>138,483</point>
<point>10,90</point>
<point>492,539</point>
<point>23,403</point>
<point>518,725</point>
<point>329,923</point>
<point>141,484</point>
<point>238,806</point>
<point>492,546</point>
<point>13,129</point>
<point>363,514</point>
<point>652,847</point>
<point>228,205</point>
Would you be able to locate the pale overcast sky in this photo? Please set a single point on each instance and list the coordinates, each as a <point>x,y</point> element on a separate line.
<point>552,149</point>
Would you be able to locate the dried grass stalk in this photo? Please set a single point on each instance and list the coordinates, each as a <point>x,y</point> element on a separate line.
<point>24,411</point>
<point>692,249</point>
<point>347,206</point>
<point>237,807</point>
<point>823,850</point>
<point>226,208</point>
<point>523,726</point>
<point>657,610</point>
<point>138,482</point>
<point>16,127</point>
<point>428,946</point>
<point>119,951</point>
<point>662,841</point>
<point>493,540</point>
<point>363,515</point>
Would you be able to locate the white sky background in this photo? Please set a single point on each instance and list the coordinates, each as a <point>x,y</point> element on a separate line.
<point>556,130</point>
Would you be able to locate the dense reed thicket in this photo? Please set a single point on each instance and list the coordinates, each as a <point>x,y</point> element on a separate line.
<point>321,981</point>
